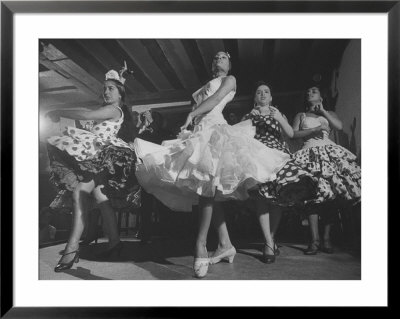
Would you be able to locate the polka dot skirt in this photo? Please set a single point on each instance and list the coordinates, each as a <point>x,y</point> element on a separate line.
<point>98,155</point>
<point>293,184</point>
<point>335,170</point>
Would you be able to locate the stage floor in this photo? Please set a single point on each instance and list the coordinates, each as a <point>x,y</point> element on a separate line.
<point>172,259</point>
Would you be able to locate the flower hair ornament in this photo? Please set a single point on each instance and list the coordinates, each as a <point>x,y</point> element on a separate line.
<point>118,76</point>
<point>228,55</point>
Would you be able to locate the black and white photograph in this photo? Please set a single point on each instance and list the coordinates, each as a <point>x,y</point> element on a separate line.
<point>159,156</point>
<point>199,159</point>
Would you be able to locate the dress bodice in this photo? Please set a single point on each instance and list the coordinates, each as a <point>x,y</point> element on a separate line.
<point>268,131</point>
<point>204,93</point>
<point>108,129</point>
<point>308,122</point>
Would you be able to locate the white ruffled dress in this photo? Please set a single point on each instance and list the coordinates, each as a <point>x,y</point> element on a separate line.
<point>215,160</point>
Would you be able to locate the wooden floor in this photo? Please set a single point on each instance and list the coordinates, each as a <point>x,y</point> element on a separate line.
<point>170,259</point>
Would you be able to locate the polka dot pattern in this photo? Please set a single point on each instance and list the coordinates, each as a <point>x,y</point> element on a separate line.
<point>282,190</point>
<point>98,155</point>
<point>83,144</point>
<point>335,170</point>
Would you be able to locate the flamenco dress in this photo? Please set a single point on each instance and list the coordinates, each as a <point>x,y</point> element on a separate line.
<point>293,184</point>
<point>99,155</point>
<point>214,160</point>
<point>334,168</point>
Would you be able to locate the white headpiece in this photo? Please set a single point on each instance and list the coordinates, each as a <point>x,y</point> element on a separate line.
<point>114,75</point>
<point>118,76</point>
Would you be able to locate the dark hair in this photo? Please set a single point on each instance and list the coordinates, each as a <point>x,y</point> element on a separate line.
<point>127,132</point>
<point>258,84</point>
<point>324,95</point>
<point>120,87</point>
<point>157,118</point>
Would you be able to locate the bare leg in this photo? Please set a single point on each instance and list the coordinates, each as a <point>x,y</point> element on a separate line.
<point>264,220</point>
<point>327,235</point>
<point>108,215</point>
<point>218,221</point>
<point>275,219</point>
<point>314,246</point>
<point>205,215</point>
<point>313,220</point>
<point>80,197</point>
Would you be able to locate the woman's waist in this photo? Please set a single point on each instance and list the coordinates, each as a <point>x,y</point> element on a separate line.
<point>311,142</point>
<point>210,118</point>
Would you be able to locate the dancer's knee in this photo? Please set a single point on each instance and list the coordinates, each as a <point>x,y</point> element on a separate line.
<point>99,195</point>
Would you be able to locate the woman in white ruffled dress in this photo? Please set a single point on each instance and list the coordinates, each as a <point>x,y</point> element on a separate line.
<point>214,162</point>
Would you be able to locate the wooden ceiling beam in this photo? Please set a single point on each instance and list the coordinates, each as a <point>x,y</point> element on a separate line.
<point>108,61</point>
<point>196,58</point>
<point>77,76</point>
<point>121,55</point>
<point>162,62</point>
<point>140,56</point>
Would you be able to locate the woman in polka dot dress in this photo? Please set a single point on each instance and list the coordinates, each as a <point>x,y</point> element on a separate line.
<point>93,163</point>
<point>293,184</point>
<point>333,167</point>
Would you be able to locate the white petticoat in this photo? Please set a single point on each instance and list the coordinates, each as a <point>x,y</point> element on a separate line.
<point>215,160</point>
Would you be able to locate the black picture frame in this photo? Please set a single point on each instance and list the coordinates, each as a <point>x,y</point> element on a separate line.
<point>9,8</point>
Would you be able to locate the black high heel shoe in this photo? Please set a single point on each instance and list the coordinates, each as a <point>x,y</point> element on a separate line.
<point>328,249</point>
<point>276,250</point>
<point>312,249</point>
<point>63,266</point>
<point>267,258</point>
<point>110,254</point>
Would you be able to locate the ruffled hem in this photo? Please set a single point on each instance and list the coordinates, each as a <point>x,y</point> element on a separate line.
<point>83,145</point>
<point>335,171</point>
<point>220,161</point>
<point>292,186</point>
<point>113,167</point>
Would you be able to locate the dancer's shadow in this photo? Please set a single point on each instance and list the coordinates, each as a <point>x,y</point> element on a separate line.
<point>136,252</point>
<point>152,257</point>
<point>83,273</point>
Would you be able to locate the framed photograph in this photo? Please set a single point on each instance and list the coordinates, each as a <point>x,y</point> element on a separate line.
<point>163,155</point>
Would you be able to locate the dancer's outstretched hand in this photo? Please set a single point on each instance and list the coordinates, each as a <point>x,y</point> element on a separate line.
<point>189,120</point>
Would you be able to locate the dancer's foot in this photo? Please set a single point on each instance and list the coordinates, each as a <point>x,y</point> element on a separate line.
<point>268,253</point>
<point>223,253</point>
<point>327,247</point>
<point>312,248</point>
<point>69,257</point>
<point>201,261</point>
<point>200,251</point>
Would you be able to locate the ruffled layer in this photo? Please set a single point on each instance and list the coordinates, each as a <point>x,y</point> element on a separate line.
<point>216,160</point>
<point>335,170</point>
<point>84,145</point>
<point>113,167</point>
<point>292,186</point>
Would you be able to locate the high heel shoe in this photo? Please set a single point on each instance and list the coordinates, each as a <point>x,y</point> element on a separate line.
<point>63,266</point>
<point>112,253</point>
<point>267,258</point>
<point>200,267</point>
<point>228,255</point>
<point>276,250</point>
<point>328,249</point>
<point>312,249</point>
